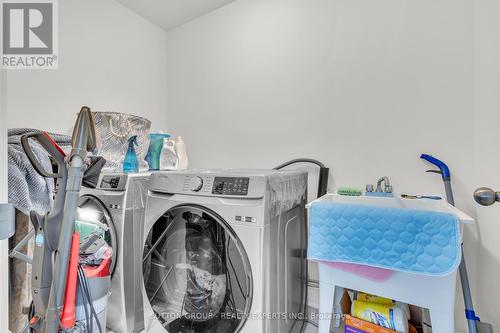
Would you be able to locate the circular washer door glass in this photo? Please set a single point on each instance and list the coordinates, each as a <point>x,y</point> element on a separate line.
<point>97,231</point>
<point>196,272</point>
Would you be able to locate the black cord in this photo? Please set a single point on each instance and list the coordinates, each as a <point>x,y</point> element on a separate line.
<point>84,299</point>
<point>89,292</point>
<point>300,160</point>
<point>88,295</point>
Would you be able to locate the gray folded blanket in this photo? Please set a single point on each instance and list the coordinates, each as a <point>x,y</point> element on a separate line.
<point>27,189</point>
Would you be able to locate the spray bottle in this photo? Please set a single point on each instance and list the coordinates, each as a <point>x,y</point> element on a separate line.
<point>131,162</point>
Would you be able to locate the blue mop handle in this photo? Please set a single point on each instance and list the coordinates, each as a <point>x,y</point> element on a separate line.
<point>443,168</point>
<point>445,174</point>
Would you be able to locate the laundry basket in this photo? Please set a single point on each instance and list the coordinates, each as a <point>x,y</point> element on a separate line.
<point>113,129</point>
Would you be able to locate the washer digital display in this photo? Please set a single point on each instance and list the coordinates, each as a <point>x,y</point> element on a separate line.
<point>110,182</point>
<point>231,185</point>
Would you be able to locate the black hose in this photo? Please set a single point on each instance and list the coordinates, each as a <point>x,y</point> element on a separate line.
<point>88,295</point>
<point>324,173</point>
<point>84,300</point>
<point>300,160</point>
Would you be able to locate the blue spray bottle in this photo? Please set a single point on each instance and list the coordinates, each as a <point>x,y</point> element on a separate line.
<point>131,162</point>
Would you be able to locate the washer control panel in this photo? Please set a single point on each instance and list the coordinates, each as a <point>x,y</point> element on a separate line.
<point>112,182</point>
<point>230,185</point>
<point>210,184</point>
<point>196,184</point>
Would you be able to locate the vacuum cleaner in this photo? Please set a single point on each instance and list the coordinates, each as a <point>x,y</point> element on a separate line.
<point>473,321</point>
<point>55,269</point>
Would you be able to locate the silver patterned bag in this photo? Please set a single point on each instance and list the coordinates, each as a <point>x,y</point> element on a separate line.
<point>113,129</point>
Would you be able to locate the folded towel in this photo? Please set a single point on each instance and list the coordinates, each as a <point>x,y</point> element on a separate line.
<point>414,241</point>
<point>27,189</point>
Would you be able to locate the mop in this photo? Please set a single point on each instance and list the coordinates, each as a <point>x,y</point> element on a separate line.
<point>473,321</point>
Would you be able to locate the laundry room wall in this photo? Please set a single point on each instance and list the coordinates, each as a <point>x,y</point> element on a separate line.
<point>110,59</point>
<point>364,86</point>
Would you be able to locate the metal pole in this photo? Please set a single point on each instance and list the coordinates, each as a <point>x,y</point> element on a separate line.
<point>462,269</point>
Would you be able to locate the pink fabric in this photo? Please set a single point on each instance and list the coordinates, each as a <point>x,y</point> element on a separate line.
<point>372,273</point>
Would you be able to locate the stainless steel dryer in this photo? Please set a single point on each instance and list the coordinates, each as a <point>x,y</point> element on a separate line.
<point>224,251</point>
<point>119,202</point>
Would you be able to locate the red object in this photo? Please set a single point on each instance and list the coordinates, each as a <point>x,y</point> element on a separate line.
<point>47,135</point>
<point>101,271</point>
<point>68,317</point>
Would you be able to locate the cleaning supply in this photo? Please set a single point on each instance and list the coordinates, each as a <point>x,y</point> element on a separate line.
<point>169,159</point>
<point>131,162</point>
<point>355,325</point>
<point>392,316</point>
<point>180,148</point>
<point>349,191</point>
<point>155,148</point>
<point>430,197</point>
<point>474,323</point>
<point>364,297</point>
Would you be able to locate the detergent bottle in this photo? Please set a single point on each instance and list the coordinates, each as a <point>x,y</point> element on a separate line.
<point>180,148</point>
<point>155,148</point>
<point>169,159</point>
<point>131,162</point>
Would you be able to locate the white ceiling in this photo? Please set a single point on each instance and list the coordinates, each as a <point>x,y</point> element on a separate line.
<point>171,13</point>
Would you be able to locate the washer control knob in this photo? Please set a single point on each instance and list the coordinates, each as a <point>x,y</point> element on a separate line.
<point>196,183</point>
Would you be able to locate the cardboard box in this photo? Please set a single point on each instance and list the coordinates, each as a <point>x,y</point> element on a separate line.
<point>355,325</point>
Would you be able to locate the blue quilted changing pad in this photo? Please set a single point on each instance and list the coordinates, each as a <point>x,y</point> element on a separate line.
<point>413,241</point>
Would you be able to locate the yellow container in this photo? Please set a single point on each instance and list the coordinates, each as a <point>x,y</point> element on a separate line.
<point>364,297</point>
<point>391,316</point>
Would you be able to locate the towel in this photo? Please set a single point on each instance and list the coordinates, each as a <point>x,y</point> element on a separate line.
<point>414,241</point>
<point>27,189</point>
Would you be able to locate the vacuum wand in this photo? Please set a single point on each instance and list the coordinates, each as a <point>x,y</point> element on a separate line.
<point>83,140</point>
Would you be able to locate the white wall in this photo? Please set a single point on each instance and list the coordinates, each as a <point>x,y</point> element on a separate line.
<point>4,244</point>
<point>110,59</point>
<point>365,86</point>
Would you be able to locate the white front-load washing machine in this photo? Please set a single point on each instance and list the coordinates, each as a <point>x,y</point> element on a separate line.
<point>119,201</point>
<point>225,251</point>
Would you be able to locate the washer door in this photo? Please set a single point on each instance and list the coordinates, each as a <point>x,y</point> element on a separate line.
<point>92,213</point>
<point>197,275</point>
